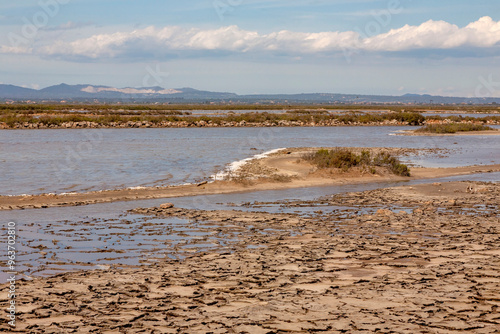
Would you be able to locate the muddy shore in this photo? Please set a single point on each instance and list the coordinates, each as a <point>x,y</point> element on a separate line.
<point>425,260</point>
<point>282,170</point>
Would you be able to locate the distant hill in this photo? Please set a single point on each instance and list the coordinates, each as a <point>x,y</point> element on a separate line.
<point>64,91</point>
<point>15,92</point>
<point>91,93</point>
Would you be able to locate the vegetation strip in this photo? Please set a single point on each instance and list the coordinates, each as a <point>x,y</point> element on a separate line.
<point>453,128</point>
<point>40,116</point>
<point>345,159</point>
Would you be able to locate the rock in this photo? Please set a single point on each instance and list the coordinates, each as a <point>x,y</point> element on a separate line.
<point>384,212</point>
<point>166,206</point>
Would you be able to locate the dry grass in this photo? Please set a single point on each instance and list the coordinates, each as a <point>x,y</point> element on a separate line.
<point>453,128</point>
<point>345,159</point>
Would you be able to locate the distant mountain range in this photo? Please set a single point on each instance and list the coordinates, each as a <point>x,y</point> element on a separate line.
<point>91,93</point>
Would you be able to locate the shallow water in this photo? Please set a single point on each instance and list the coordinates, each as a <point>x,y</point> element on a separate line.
<point>58,161</point>
<point>46,246</point>
<point>55,240</point>
<point>238,201</point>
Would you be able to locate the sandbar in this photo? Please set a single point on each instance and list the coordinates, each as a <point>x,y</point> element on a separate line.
<point>286,163</point>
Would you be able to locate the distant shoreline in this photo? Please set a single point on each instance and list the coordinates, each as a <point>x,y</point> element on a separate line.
<point>223,124</point>
<point>460,133</point>
<point>178,125</point>
<point>101,117</point>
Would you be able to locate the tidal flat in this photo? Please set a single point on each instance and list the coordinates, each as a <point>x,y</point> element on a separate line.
<point>275,245</point>
<point>424,258</point>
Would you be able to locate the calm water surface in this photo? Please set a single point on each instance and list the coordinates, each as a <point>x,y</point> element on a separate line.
<point>55,240</point>
<point>96,236</point>
<point>57,161</point>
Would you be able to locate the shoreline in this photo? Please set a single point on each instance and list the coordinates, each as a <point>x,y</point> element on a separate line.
<point>230,187</point>
<point>216,122</point>
<point>425,258</point>
<point>201,124</point>
<point>458,133</point>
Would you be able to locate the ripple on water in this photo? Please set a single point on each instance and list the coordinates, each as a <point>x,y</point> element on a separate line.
<point>55,161</point>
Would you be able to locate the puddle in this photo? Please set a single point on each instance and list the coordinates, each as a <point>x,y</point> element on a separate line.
<point>56,240</point>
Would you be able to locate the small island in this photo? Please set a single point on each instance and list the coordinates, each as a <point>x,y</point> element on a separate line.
<point>285,168</point>
<point>440,129</point>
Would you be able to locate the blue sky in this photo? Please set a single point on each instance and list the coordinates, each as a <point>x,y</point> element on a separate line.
<point>254,46</point>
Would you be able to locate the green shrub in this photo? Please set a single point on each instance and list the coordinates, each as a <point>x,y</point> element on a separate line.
<point>453,128</point>
<point>412,118</point>
<point>365,158</point>
<point>338,158</point>
<point>400,169</point>
<point>345,159</point>
<point>385,159</point>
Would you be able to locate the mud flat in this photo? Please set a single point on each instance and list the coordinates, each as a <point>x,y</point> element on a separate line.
<point>426,260</point>
<point>459,133</point>
<point>281,170</point>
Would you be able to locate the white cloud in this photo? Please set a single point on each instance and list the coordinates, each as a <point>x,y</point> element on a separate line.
<point>15,49</point>
<point>437,35</point>
<point>70,25</point>
<point>441,35</point>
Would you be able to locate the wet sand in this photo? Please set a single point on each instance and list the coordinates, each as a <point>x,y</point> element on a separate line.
<point>426,260</point>
<point>282,170</point>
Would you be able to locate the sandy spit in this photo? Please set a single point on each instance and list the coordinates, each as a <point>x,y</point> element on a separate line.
<point>267,174</point>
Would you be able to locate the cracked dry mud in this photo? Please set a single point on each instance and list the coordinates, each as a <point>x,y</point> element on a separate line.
<point>432,268</point>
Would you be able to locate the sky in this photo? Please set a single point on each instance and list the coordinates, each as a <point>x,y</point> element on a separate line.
<point>387,47</point>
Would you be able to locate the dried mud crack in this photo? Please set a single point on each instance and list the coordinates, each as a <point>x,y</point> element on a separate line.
<point>430,268</point>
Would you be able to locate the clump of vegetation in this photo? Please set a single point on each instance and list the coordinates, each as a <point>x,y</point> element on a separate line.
<point>384,159</point>
<point>453,128</point>
<point>338,158</point>
<point>345,159</point>
<point>460,118</point>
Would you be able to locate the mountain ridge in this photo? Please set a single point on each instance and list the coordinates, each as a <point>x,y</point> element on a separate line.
<point>87,92</point>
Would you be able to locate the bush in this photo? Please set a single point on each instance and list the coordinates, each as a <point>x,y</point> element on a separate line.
<point>365,158</point>
<point>345,159</point>
<point>453,128</point>
<point>384,159</point>
<point>338,158</point>
<point>400,169</point>
<point>411,118</point>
